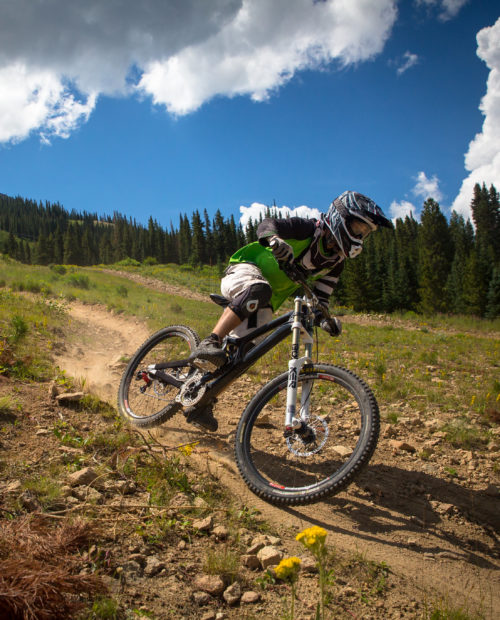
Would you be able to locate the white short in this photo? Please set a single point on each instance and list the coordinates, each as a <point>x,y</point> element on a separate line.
<point>239,276</point>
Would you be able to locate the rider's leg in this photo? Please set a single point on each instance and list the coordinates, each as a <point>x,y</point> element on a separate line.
<point>247,289</point>
<point>228,321</point>
<point>209,348</point>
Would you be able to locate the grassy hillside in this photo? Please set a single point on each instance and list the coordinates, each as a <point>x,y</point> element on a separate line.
<point>437,382</point>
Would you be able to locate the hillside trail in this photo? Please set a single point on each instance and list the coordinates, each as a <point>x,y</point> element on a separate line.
<point>439,536</point>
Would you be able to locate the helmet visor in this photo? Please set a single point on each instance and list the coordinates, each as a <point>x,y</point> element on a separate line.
<point>359,229</point>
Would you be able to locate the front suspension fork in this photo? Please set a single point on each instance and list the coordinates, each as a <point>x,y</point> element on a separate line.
<point>292,421</point>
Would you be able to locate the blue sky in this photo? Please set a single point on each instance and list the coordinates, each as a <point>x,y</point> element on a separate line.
<point>163,107</point>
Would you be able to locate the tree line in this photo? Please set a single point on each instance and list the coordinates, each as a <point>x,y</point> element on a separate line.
<point>434,265</point>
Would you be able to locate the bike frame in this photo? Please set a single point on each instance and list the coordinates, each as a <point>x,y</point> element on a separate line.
<point>297,322</point>
<point>241,358</point>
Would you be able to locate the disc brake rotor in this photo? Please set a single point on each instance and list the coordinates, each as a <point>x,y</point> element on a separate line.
<point>298,446</point>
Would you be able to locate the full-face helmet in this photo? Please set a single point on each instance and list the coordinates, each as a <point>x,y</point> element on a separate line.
<point>350,219</point>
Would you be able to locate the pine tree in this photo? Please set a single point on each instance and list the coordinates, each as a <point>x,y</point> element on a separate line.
<point>198,253</point>
<point>462,248</point>
<point>493,299</point>
<point>435,250</point>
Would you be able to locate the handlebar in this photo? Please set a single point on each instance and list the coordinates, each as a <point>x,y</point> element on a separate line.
<point>294,274</point>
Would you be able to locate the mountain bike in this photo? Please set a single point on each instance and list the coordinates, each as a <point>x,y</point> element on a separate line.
<point>304,436</point>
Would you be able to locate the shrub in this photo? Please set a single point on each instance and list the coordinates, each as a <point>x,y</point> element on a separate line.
<point>79,280</point>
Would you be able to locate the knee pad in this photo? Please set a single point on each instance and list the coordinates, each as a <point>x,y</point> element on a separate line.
<point>254,297</point>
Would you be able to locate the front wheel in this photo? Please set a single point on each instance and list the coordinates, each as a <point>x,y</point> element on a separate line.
<point>321,459</point>
<point>152,379</point>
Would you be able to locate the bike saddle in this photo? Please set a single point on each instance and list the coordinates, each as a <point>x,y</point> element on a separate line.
<point>219,300</point>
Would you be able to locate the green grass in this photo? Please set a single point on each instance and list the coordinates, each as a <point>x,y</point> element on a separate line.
<point>417,366</point>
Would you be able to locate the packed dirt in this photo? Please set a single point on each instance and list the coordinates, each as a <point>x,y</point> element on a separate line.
<point>439,534</point>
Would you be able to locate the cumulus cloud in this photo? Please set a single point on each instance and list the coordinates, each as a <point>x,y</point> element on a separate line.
<point>256,209</point>
<point>427,188</point>
<point>400,210</point>
<point>482,160</point>
<point>264,45</point>
<point>60,56</point>
<point>38,100</point>
<point>409,60</point>
<point>448,9</point>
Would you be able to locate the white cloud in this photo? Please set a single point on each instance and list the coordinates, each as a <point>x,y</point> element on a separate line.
<point>448,8</point>
<point>482,160</point>
<point>409,60</point>
<point>256,209</point>
<point>38,100</point>
<point>402,209</point>
<point>264,45</point>
<point>427,188</point>
<point>185,52</point>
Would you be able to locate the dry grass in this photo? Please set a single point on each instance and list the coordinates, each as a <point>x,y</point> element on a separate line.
<point>38,573</point>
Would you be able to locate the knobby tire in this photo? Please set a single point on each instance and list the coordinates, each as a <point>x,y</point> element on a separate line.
<point>345,419</point>
<point>156,403</point>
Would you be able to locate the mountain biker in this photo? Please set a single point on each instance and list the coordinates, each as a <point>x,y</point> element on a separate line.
<point>254,278</point>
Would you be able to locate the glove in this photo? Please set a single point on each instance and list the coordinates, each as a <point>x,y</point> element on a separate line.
<point>281,250</point>
<point>332,326</point>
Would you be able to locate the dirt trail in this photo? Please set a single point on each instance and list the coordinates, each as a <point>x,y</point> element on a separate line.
<point>439,534</point>
<point>96,340</point>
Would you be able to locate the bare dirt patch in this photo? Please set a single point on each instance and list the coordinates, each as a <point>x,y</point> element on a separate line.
<point>437,531</point>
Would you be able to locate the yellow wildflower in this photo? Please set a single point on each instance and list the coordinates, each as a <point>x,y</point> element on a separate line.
<point>188,448</point>
<point>288,568</point>
<point>312,536</point>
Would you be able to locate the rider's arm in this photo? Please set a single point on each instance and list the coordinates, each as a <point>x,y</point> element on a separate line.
<point>290,228</point>
<point>323,287</point>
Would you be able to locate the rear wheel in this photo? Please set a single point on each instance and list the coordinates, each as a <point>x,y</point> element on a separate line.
<point>325,455</point>
<point>145,398</point>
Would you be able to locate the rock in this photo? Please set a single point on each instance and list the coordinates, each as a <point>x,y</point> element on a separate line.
<point>83,476</point>
<point>153,566</point>
<point>220,532</point>
<point>42,431</point>
<point>269,556</point>
<point>139,558</point>
<point>201,598</point>
<point>255,547</point>
<point>204,525</point>
<point>119,486</point>
<point>400,446</point>
<point>181,499</point>
<point>69,397</point>
<point>262,540</point>
<point>199,502</point>
<point>442,507</point>
<point>87,494</point>
<point>308,565</point>
<point>132,568</point>
<point>13,487</point>
<point>251,561</point>
<point>232,594</point>
<point>389,431</point>
<point>212,584</point>
<point>250,598</point>
<point>210,615</point>
<point>342,450</point>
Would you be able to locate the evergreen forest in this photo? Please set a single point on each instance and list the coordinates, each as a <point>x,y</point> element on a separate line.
<point>435,265</point>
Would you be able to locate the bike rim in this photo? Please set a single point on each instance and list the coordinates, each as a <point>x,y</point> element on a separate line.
<point>148,396</point>
<point>289,466</point>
